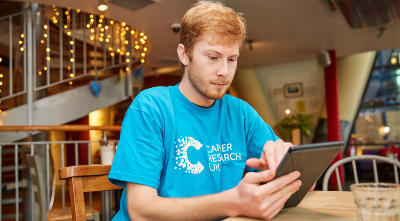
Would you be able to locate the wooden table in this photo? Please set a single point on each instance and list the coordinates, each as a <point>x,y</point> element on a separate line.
<point>318,205</point>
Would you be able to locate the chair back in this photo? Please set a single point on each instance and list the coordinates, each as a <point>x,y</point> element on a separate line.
<point>82,179</point>
<point>38,186</point>
<point>353,159</point>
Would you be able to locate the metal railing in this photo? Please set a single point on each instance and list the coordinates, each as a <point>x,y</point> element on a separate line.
<point>60,46</point>
<point>14,53</point>
<point>45,149</point>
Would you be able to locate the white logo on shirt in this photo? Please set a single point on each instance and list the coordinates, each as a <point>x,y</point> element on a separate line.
<point>217,154</point>
<point>182,160</point>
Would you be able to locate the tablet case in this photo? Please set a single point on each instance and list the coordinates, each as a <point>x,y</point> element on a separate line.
<point>311,161</point>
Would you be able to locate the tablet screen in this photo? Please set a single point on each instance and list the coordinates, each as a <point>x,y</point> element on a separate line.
<point>311,160</point>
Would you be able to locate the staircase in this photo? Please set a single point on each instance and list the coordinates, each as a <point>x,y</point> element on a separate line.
<point>57,65</point>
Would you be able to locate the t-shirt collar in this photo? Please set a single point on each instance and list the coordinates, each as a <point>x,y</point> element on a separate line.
<point>190,105</point>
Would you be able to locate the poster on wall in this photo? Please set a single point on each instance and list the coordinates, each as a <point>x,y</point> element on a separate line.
<point>297,98</point>
<point>293,90</point>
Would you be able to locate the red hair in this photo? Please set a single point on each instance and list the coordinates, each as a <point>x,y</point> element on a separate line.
<point>211,16</point>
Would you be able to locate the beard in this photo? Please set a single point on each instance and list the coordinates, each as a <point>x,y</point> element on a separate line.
<point>208,88</point>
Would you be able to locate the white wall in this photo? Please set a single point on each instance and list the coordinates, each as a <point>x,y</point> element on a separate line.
<point>307,72</point>
<point>247,87</point>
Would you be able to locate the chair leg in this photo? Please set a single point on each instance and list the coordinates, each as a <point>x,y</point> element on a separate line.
<point>77,199</point>
<point>96,216</point>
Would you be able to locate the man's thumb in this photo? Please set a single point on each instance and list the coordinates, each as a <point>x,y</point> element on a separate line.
<point>256,164</point>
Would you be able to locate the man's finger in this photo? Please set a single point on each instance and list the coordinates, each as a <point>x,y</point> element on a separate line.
<point>281,150</point>
<point>270,156</point>
<point>255,163</point>
<point>259,177</point>
<point>277,184</point>
<point>312,188</point>
<point>279,202</point>
<point>279,198</point>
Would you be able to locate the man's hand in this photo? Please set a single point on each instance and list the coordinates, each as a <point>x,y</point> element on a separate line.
<point>272,155</point>
<point>259,196</point>
<point>312,187</point>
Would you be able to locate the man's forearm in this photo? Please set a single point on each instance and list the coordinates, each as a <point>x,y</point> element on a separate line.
<point>256,195</point>
<point>208,207</point>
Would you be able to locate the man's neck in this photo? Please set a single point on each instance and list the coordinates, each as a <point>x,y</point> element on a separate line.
<point>193,95</point>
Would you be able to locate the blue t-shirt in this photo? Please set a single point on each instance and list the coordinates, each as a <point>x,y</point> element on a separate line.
<point>185,150</point>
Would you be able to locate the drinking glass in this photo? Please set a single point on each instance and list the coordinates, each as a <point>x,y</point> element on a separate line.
<point>107,151</point>
<point>377,201</point>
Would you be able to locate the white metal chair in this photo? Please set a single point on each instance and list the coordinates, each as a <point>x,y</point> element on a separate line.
<point>353,159</point>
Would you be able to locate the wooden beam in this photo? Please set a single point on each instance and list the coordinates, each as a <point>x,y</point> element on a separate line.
<point>19,128</point>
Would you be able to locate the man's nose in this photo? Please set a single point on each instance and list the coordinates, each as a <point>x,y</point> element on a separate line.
<point>223,69</point>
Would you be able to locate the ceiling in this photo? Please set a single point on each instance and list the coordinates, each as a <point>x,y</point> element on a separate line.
<point>282,30</point>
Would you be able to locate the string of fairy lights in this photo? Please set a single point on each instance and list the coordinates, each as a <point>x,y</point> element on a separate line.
<point>115,38</point>
<point>126,46</point>
<point>1,81</point>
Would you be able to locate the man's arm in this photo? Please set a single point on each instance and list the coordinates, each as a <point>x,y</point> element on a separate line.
<point>249,198</point>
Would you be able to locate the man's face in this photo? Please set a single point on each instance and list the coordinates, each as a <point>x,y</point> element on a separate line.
<point>212,65</point>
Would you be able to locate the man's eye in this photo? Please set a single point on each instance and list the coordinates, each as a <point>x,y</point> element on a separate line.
<point>213,58</point>
<point>232,59</point>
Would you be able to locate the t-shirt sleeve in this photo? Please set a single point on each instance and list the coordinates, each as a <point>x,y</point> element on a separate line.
<point>258,132</point>
<point>140,154</point>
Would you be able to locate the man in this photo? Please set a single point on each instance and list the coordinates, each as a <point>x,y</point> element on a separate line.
<point>183,149</point>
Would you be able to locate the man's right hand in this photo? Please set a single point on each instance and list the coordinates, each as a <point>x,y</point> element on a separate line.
<point>258,195</point>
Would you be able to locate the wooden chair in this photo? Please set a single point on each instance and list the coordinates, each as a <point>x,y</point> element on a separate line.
<point>82,179</point>
<point>43,211</point>
<point>353,159</point>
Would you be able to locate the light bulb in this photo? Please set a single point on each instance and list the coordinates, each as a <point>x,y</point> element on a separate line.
<point>102,7</point>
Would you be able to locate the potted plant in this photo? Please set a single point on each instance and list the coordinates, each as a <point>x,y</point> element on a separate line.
<point>302,121</point>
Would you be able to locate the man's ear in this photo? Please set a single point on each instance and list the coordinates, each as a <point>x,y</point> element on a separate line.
<point>183,57</point>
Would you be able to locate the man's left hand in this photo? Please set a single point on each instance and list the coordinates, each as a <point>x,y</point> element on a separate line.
<point>271,156</point>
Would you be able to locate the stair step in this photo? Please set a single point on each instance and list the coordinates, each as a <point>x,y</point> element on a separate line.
<point>12,168</point>
<point>10,216</point>
<point>10,201</point>
<point>11,185</point>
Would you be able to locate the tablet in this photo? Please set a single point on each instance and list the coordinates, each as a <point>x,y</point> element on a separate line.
<point>311,160</point>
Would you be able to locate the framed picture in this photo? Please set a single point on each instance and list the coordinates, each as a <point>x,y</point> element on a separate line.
<point>293,90</point>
